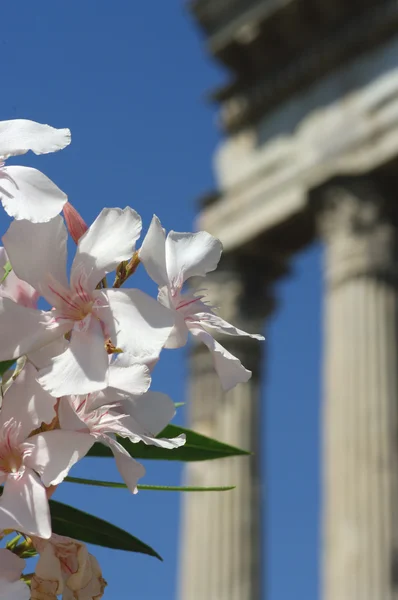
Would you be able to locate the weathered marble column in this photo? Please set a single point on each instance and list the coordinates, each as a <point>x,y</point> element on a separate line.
<point>359,226</point>
<point>221,554</point>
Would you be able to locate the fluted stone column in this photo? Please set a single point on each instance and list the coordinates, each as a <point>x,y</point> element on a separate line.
<point>359,227</point>
<point>221,554</point>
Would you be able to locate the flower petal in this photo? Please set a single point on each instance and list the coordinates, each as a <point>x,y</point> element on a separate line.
<point>36,262</point>
<point>27,402</point>
<point>25,330</point>
<point>18,136</point>
<point>229,368</point>
<point>53,453</point>
<point>153,410</point>
<point>133,379</point>
<point>82,368</point>
<point>68,417</point>
<point>189,254</point>
<point>179,334</point>
<point>213,321</point>
<point>24,506</point>
<point>42,357</point>
<point>16,590</point>
<point>130,470</point>
<point>153,253</point>
<point>146,416</point>
<point>27,193</point>
<point>14,288</point>
<point>109,240</point>
<point>11,566</point>
<point>136,323</point>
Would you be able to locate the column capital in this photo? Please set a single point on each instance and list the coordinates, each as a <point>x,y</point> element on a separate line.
<point>359,224</point>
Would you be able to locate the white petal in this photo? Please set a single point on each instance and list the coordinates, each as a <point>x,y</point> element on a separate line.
<point>17,590</point>
<point>42,357</point>
<point>68,418</point>
<point>18,136</point>
<point>137,323</point>
<point>229,368</point>
<point>109,240</point>
<point>11,566</point>
<point>27,402</point>
<point>179,334</point>
<point>147,415</point>
<point>14,288</point>
<point>82,368</point>
<point>53,453</point>
<point>133,379</point>
<point>37,252</point>
<point>153,253</point>
<point>130,470</point>
<point>27,193</point>
<point>25,330</point>
<point>189,254</point>
<point>213,321</point>
<point>24,506</point>
<point>153,410</point>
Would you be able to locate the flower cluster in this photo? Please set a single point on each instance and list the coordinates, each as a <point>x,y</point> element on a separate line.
<point>81,353</point>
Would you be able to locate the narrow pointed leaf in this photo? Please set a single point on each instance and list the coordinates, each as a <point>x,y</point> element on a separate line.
<point>72,522</point>
<point>197,447</point>
<point>5,365</point>
<point>155,488</point>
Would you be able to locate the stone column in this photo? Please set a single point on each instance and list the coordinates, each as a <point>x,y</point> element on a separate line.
<point>359,226</point>
<point>221,553</point>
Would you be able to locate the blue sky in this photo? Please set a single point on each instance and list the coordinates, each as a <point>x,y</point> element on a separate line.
<point>129,79</point>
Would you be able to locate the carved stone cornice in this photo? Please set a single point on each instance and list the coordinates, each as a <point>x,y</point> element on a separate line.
<point>244,103</point>
<point>359,226</point>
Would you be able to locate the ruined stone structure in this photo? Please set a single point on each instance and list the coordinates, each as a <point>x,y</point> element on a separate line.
<point>310,115</point>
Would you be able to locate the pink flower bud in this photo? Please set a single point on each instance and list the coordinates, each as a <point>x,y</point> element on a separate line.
<point>74,222</point>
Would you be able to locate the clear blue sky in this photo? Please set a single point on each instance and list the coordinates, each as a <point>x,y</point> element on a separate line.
<point>129,79</point>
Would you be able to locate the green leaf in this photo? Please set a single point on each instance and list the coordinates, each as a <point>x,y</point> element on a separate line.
<point>154,488</point>
<point>7,270</point>
<point>197,447</point>
<point>5,365</point>
<point>72,522</point>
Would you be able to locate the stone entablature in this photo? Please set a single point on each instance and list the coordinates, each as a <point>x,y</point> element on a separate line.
<point>345,124</point>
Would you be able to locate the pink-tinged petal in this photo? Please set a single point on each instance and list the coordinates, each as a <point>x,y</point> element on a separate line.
<point>153,253</point>
<point>27,193</point>
<point>24,506</point>
<point>82,368</point>
<point>18,136</point>
<point>25,330</point>
<point>189,254</point>
<point>53,453</point>
<point>11,566</point>
<point>130,470</point>
<point>17,590</point>
<point>133,379</point>
<point>179,334</point>
<point>27,402</point>
<point>37,252</point>
<point>14,288</point>
<point>68,418</point>
<point>215,322</point>
<point>136,323</point>
<point>109,240</point>
<point>229,368</point>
